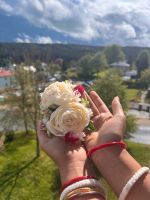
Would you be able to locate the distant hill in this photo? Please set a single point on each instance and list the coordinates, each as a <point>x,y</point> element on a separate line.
<point>19,52</point>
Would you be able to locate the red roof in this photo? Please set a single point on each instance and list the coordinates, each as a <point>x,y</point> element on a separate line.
<point>5,73</point>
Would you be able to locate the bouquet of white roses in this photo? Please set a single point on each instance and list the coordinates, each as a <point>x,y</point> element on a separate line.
<point>65,112</point>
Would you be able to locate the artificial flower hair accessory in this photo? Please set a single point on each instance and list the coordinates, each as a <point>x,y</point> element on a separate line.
<point>65,113</point>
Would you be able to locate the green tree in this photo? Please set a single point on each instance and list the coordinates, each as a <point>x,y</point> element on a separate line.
<point>88,65</point>
<point>71,73</point>
<point>85,70</point>
<point>145,77</point>
<point>110,85</point>
<point>114,53</point>
<point>98,62</point>
<point>23,101</point>
<point>143,61</point>
<point>53,68</point>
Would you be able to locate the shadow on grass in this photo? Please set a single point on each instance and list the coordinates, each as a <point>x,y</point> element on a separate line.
<point>11,177</point>
<point>56,183</point>
<point>16,144</point>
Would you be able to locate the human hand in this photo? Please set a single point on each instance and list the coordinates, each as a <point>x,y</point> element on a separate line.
<point>71,159</point>
<point>109,126</point>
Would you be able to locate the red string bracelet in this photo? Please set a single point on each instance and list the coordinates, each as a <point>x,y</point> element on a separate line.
<point>121,144</point>
<point>74,180</point>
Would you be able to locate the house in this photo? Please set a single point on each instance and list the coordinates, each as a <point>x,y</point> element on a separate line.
<point>131,73</point>
<point>5,78</point>
<point>121,65</point>
<point>30,68</point>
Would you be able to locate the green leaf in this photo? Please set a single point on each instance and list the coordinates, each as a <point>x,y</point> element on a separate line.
<point>66,81</point>
<point>91,127</point>
<point>85,102</point>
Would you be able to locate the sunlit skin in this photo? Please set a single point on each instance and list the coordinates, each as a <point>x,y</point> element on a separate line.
<point>76,153</point>
<point>109,126</point>
<point>114,161</point>
<point>68,157</point>
<point>111,162</point>
<point>72,159</point>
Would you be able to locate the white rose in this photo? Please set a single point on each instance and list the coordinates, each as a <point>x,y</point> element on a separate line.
<point>72,117</point>
<point>58,93</point>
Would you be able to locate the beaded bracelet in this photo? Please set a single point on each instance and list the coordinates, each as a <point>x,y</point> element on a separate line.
<point>132,181</point>
<point>74,180</point>
<point>80,184</point>
<point>121,144</point>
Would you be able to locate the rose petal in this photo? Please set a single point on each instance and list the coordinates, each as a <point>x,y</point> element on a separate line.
<point>69,137</point>
<point>80,89</point>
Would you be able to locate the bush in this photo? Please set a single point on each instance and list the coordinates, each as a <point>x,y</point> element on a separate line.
<point>110,85</point>
<point>9,136</point>
<point>131,126</point>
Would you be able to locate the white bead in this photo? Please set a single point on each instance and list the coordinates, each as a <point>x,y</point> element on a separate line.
<point>131,182</point>
<point>79,184</point>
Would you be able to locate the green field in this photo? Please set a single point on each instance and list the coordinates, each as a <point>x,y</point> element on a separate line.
<point>132,94</point>
<point>24,177</point>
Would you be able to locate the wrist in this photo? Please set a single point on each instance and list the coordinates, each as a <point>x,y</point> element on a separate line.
<point>103,155</point>
<point>96,139</point>
<point>115,162</point>
<point>70,171</point>
<point>75,169</point>
<point>105,145</point>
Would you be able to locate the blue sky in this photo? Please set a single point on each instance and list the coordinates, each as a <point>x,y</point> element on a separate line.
<point>91,22</point>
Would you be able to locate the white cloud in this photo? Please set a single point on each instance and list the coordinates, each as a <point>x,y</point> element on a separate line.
<point>24,38</point>
<point>6,7</point>
<point>43,40</point>
<point>126,22</point>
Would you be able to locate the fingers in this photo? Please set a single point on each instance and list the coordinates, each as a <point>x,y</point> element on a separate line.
<point>92,105</point>
<point>100,119</point>
<point>42,134</point>
<point>102,108</point>
<point>116,107</point>
<point>41,128</point>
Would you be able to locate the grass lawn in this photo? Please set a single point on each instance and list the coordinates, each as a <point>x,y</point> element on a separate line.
<point>24,177</point>
<point>132,94</point>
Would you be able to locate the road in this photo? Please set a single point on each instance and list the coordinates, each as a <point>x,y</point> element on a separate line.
<point>142,135</point>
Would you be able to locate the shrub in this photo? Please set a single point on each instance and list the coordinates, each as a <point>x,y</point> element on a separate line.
<point>9,136</point>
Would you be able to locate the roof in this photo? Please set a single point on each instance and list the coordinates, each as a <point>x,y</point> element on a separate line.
<point>5,73</point>
<point>120,64</point>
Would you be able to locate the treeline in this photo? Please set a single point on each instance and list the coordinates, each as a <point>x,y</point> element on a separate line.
<point>18,53</point>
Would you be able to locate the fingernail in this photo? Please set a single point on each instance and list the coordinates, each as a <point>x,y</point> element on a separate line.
<point>118,98</point>
<point>42,124</point>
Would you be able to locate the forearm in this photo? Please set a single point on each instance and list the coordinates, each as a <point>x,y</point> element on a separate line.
<point>118,166</point>
<point>72,170</point>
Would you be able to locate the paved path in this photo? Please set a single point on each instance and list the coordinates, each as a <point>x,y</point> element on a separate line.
<point>142,135</point>
<point>143,96</point>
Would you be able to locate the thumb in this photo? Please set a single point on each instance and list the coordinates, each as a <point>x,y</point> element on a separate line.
<point>117,107</point>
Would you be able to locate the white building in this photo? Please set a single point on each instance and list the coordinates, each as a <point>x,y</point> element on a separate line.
<point>122,65</point>
<point>5,78</point>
